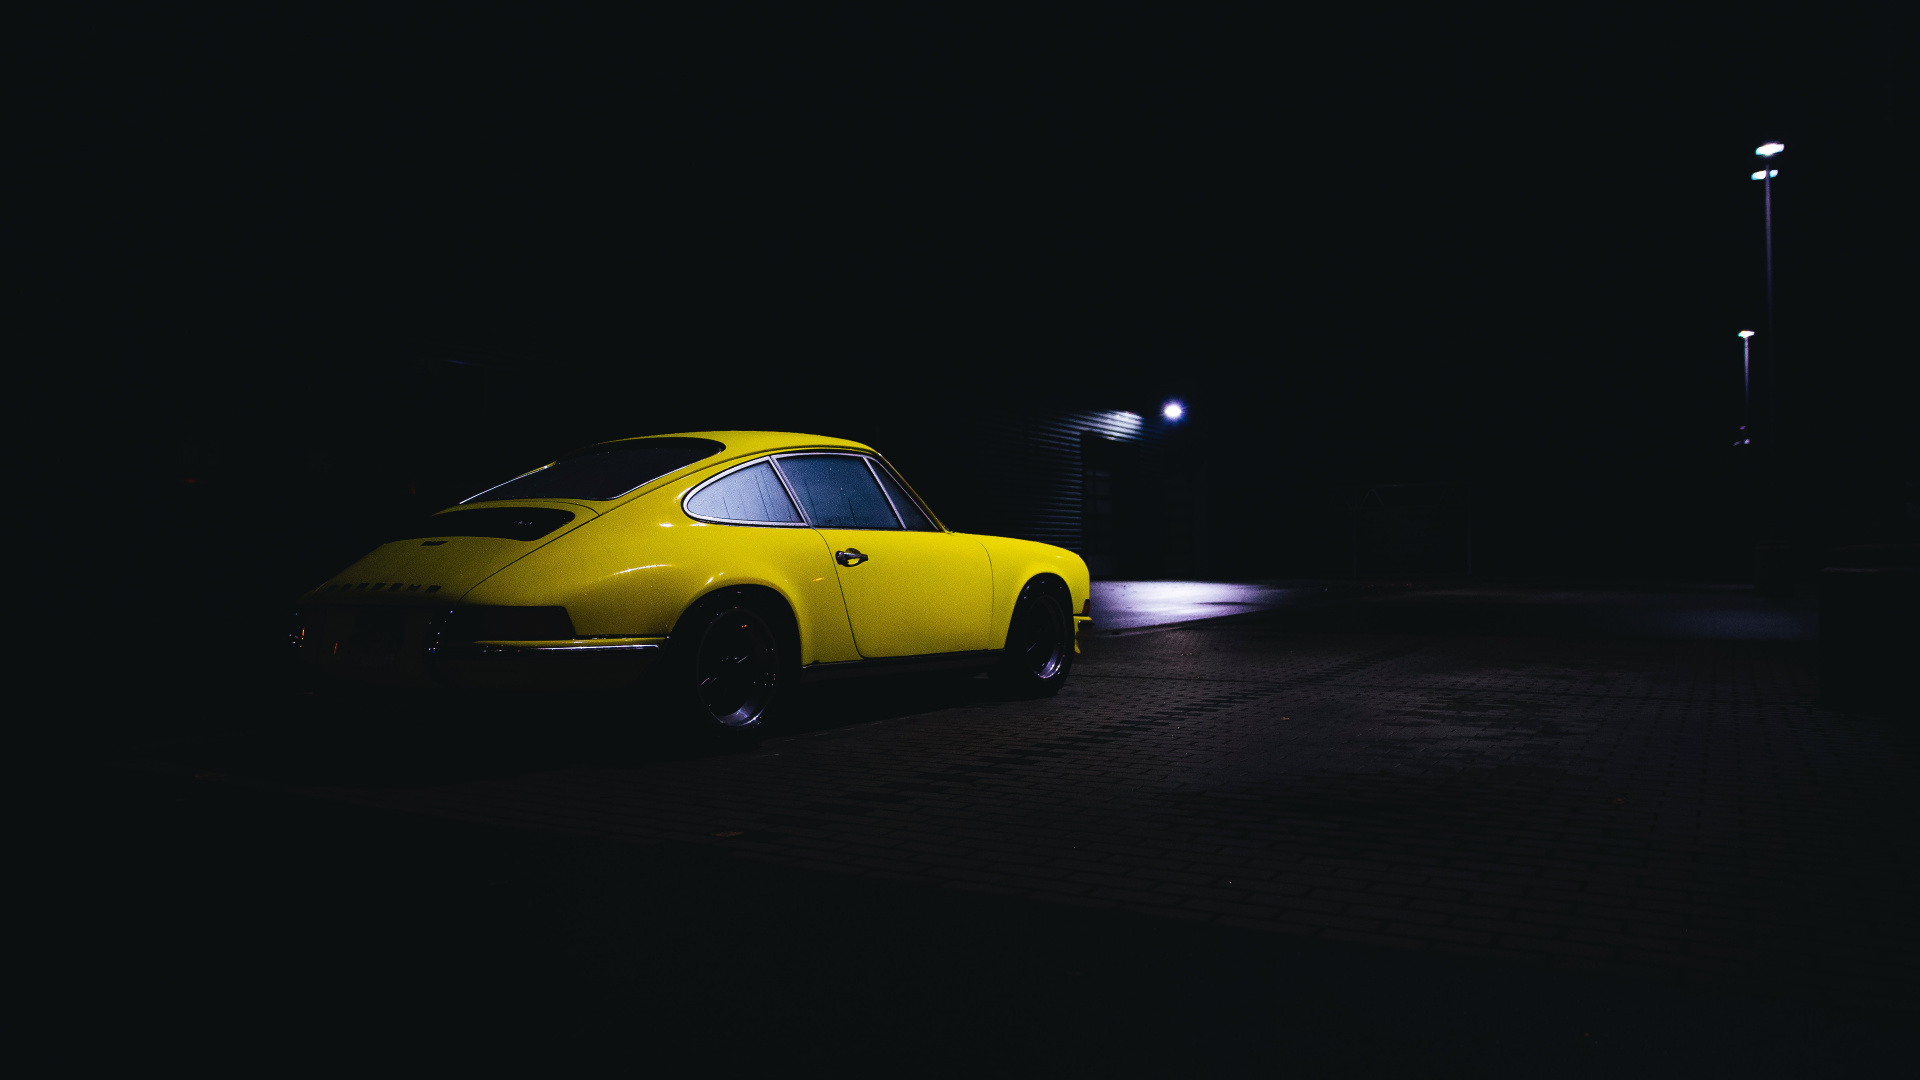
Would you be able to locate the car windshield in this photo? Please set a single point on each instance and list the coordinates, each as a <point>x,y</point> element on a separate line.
<point>604,472</point>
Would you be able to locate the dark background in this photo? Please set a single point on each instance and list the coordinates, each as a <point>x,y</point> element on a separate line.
<point>303,272</point>
<point>312,271</point>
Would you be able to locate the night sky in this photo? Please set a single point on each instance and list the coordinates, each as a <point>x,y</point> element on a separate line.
<point>1504,248</point>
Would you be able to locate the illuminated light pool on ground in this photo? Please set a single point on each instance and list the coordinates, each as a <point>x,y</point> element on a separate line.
<point>1132,605</point>
<point>1704,613</point>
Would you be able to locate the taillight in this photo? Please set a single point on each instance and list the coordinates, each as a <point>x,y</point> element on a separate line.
<point>308,625</point>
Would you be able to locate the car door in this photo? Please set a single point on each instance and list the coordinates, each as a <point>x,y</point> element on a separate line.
<point>910,587</point>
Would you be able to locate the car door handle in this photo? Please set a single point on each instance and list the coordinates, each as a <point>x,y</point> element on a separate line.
<point>850,557</point>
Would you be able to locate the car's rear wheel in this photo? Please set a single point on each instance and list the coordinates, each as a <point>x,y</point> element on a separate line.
<point>1039,649</point>
<point>728,666</point>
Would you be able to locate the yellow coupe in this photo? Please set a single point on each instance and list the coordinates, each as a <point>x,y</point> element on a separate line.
<point>719,566</point>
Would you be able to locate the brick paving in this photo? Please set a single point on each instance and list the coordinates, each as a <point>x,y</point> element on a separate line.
<point>1673,810</point>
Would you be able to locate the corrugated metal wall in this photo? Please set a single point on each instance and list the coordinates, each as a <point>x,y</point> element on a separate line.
<point>1030,472</point>
<point>1040,472</point>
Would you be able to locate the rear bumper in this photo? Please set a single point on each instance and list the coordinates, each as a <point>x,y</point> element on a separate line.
<point>580,664</point>
<point>1081,625</point>
<point>406,647</point>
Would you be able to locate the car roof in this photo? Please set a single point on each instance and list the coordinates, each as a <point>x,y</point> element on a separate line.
<point>737,444</point>
<point>740,443</point>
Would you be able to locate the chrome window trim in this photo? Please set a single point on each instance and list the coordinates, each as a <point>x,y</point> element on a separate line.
<point>876,464</point>
<point>717,477</point>
<point>900,524</point>
<point>885,494</point>
<point>786,485</point>
<point>882,463</point>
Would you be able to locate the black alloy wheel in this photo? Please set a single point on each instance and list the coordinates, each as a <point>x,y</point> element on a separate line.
<point>1039,649</point>
<point>731,667</point>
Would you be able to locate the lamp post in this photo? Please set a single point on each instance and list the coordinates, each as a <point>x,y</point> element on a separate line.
<point>1773,556</point>
<point>1765,176</point>
<point>1746,388</point>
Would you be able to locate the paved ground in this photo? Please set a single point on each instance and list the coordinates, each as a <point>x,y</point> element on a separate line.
<point>1454,795</point>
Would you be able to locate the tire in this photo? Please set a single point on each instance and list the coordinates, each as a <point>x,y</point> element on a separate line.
<point>1039,649</point>
<point>729,665</point>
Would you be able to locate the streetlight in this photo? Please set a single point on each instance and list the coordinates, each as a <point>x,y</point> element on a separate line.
<point>1746,394</point>
<point>1770,568</point>
<point>1765,176</point>
<point>1173,410</point>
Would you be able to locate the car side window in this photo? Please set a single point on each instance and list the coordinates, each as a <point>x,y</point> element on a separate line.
<point>838,492</point>
<point>752,495</point>
<point>909,511</point>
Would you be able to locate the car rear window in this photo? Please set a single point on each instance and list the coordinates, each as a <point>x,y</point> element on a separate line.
<point>604,472</point>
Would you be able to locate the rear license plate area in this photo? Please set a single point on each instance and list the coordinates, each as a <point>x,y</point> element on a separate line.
<point>376,636</point>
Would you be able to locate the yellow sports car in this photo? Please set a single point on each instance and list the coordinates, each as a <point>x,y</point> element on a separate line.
<point>719,566</point>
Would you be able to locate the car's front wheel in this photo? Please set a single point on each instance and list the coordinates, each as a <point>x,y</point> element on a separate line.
<point>1039,649</point>
<point>727,666</point>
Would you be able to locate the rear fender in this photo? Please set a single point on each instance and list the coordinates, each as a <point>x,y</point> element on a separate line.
<point>1015,563</point>
<point>633,573</point>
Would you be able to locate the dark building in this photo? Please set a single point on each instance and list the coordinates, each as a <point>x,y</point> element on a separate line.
<point>1110,484</point>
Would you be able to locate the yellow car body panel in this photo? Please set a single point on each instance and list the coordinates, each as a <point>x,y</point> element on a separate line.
<point>915,593</point>
<point>638,569</point>
<point>439,569</point>
<point>626,569</point>
<point>1016,562</point>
